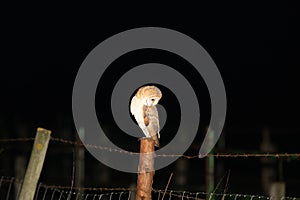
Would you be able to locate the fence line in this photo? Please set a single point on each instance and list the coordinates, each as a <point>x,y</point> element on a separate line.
<point>216,155</point>
<point>67,192</point>
<point>202,195</point>
<point>16,139</point>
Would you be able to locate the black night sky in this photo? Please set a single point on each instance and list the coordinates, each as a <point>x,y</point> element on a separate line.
<point>256,49</point>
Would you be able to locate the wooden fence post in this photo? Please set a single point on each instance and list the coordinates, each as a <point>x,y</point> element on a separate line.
<point>145,170</point>
<point>35,165</point>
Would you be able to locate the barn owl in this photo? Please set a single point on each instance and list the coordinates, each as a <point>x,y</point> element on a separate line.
<point>145,112</point>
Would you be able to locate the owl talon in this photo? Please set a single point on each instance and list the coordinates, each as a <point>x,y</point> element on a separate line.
<point>156,142</point>
<point>142,138</point>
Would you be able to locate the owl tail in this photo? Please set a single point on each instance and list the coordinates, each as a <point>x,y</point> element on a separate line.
<point>155,139</point>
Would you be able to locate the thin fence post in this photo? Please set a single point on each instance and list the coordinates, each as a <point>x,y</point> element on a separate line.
<point>145,170</point>
<point>35,165</point>
<point>79,169</point>
<point>210,169</point>
<point>20,161</point>
<point>277,191</point>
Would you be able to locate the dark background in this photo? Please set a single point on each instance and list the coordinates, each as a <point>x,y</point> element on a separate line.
<point>255,46</point>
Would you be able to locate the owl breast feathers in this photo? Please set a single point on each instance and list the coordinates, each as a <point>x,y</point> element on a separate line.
<point>143,107</point>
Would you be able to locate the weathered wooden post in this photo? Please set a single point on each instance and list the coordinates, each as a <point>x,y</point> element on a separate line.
<point>145,170</point>
<point>35,165</point>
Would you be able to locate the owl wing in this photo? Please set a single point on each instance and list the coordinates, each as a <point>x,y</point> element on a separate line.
<point>152,122</point>
<point>136,109</point>
<point>151,118</point>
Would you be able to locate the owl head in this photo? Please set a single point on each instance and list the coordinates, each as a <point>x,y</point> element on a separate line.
<point>150,95</point>
<point>151,101</point>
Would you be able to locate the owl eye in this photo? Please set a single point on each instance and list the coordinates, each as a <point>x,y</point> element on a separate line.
<point>152,99</point>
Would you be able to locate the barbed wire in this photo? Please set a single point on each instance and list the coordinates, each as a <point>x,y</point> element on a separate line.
<point>111,193</point>
<point>86,188</point>
<point>68,192</point>
<point>16,139</point>
<point>216,155</point>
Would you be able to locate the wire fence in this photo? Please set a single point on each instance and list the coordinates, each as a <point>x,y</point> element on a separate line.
<point>216,155</point>
<point>10,188</point>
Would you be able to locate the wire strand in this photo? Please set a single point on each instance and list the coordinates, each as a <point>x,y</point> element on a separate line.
<point>216,155</point>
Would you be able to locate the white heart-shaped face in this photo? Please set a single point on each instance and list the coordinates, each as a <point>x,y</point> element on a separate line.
<point>149,95</point>
<point>152,101</point>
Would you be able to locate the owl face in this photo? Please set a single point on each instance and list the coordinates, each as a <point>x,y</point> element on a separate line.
<point>149,95</point>
<point>151,101</point>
